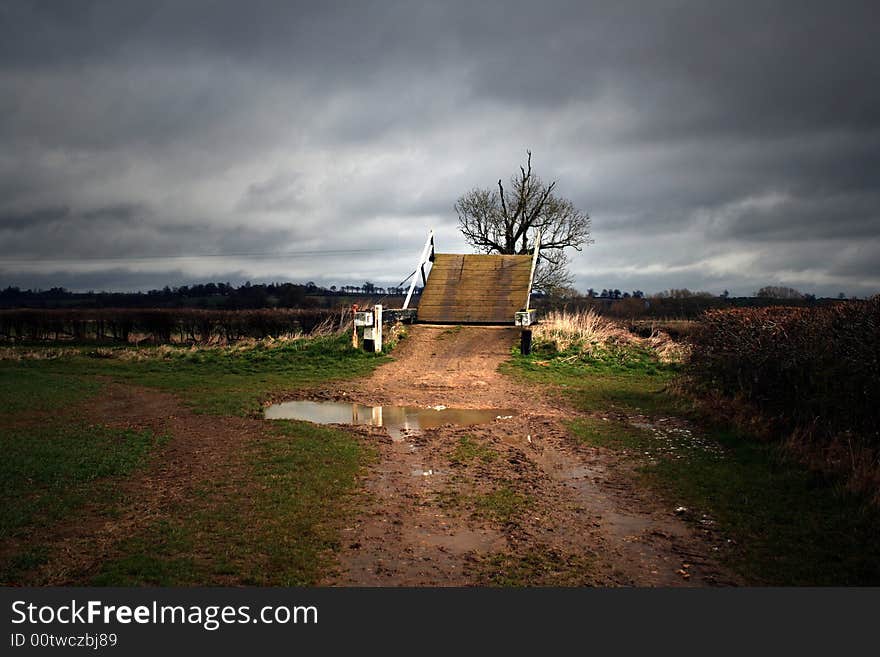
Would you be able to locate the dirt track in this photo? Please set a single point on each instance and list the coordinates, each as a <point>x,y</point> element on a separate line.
<point>584,523</point>
<point>540,508</point>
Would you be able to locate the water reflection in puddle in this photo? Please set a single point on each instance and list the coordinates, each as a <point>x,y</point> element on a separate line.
<point>398,420</point>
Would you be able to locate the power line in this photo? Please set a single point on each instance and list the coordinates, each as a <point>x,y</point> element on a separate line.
<point>181,256</point>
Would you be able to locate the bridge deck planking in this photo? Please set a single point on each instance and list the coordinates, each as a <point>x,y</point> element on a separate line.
<point>475,288</point>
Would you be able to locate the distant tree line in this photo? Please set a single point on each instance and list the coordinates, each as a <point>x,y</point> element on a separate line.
<point>614,294</point>
<point>673,303</point>
<point>676,302</point>
<point>220,296</point>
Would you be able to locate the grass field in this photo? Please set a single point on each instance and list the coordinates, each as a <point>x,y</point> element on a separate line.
<point>271,521</point>
<point>219,380</point>
<point>59,460</point>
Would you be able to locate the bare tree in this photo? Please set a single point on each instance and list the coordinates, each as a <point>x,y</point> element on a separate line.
<point>506,221</point>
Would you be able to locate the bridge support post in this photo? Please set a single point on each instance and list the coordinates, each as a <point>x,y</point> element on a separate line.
<point>525,342</point>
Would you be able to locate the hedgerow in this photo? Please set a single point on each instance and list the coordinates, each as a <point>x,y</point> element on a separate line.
<point>806,368</point>
<point>160,325</point>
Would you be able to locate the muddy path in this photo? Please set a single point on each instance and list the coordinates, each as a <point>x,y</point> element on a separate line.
<point>515,501</point>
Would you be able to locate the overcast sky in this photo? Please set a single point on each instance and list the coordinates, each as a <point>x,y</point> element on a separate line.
<point>715,145</point>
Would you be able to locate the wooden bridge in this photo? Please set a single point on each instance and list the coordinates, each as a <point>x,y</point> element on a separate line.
<point>475,289</point>
<point>461,289</point>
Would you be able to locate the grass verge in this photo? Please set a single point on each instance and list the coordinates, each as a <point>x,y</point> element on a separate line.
<point>217,380</point>
<point>787,526</point>
<point>54,462</point>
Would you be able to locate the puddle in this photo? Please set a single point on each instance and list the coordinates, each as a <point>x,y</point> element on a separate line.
<point>673,441</point>
<point>398,420</point>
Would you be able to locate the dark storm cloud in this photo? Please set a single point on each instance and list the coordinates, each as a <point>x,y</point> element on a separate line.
<point>127,231</point>
<point>716,145</point>
<point>127,279</point>
<point>28,220</point>
<point>835,217</point>
<point>121,278</point>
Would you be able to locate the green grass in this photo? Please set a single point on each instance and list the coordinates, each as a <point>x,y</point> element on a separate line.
<point>788,526</point>
<point>606,432</point>
<point>35,387</point>
<point>23,561</point>
<point>273,521</point>
<point>616,359</point>
<point>468,449</point>
<point>49,472</point>
<point>607,383</point>
<point>46,471</point>
<point>216,380</point>
<point>504,504</point>
<point>792,527</point>
<point>290,486</point>
<point>53,461</point>
<point>542,566</point>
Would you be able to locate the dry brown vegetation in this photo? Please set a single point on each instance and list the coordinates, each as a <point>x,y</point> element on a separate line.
<point>589,333</point>
<point>163,325</point>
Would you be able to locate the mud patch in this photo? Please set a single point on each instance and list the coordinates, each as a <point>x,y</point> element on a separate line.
<point>514,502</point>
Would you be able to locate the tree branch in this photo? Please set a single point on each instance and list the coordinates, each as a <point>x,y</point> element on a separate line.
<point>499,221</point>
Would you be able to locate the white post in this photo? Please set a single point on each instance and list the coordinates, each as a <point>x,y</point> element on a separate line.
<point>534,265</point>
<point>377,329</point>
<point>422,260</point>
<point>354,329</point>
